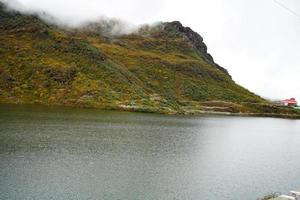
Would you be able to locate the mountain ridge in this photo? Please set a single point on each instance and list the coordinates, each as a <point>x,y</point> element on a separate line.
<point>164,68</point>
<point>196,40</point>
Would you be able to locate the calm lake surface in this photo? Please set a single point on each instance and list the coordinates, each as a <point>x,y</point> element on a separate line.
<point>84,154</point>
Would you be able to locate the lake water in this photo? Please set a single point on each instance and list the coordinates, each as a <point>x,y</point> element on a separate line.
<point>85,154</point>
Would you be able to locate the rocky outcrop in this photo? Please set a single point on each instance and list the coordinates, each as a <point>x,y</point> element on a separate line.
<point>195,39</point>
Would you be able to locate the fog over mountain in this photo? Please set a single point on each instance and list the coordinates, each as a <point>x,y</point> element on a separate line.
<point>257,41</point>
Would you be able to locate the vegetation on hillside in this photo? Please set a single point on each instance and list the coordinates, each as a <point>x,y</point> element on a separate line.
<point>163,69</point>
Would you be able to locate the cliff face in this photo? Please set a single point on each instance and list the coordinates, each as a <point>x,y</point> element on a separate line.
<point>196,40</point>
<point>159,69</point>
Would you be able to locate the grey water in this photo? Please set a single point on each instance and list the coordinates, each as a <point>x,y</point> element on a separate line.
<point>54,153</point>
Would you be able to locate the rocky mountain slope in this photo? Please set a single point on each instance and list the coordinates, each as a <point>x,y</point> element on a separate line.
<point>164,68</point>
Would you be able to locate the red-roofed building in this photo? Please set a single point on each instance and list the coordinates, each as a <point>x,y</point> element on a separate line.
<point>290,102</point>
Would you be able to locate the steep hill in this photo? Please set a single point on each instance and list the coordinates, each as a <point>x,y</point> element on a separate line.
<point>165,68</point>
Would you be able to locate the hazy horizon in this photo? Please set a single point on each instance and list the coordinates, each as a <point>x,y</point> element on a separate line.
<point>256,41</point>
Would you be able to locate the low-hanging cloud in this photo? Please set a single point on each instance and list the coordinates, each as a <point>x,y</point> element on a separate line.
<point>114,16</point>
<point>78,12</point>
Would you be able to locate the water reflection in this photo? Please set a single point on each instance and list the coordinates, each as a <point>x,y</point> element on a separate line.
<point>64,153</point>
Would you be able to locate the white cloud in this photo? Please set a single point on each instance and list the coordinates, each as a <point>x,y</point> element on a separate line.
<point>77,11</point>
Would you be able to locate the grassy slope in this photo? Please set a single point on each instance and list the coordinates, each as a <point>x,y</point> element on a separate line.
<point>155,71</point>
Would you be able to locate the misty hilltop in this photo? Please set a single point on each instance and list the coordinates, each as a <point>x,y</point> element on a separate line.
<point>164,68</point>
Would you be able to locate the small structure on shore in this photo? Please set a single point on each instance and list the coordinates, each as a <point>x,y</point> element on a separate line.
<point>293,195</point>
<point>284,197</point>
<point>290,102</point>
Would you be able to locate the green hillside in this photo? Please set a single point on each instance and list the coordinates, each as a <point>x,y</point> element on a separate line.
<point>165,68</point>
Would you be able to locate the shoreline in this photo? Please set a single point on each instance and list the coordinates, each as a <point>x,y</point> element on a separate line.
<point>167,112</point>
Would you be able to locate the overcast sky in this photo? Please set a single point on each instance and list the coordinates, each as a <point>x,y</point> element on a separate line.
<point>258,41</point>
